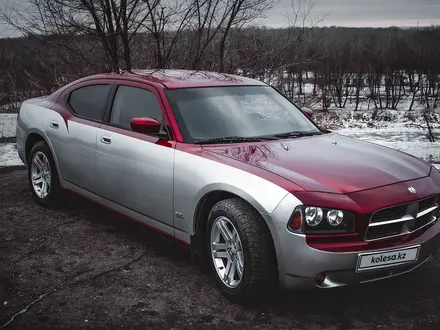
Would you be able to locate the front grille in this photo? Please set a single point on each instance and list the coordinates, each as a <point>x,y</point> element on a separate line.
<point>427,203</point>
<point>395,212</point>
<point>402,219</point>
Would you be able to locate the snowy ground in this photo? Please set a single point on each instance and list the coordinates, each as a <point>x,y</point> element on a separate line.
<point>412,141</point>
<point>9,156</point>
<point>8,122</point>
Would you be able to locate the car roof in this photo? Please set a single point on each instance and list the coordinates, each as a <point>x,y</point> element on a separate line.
<point>173,79</point>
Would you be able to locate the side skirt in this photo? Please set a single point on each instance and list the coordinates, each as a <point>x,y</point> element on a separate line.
<point>152,224</point>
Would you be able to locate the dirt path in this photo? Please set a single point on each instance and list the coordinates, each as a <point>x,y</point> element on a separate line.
<point>83,267</point>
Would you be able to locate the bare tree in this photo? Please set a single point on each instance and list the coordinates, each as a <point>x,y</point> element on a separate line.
<point>241,12</point>
<point>64,40</point>
<point>213,22</point>
<point>112,22</point>
<point>210,16</point>
<point>166,25</point>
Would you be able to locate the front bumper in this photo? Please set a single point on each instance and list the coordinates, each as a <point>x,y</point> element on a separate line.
<point>303,267</point>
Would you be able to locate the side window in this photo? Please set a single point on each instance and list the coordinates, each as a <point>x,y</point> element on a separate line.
<point>89,101</point>
<point>131,102</point>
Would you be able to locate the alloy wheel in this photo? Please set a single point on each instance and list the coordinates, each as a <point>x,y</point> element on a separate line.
<point>227,252</point>
<point>41,174</point>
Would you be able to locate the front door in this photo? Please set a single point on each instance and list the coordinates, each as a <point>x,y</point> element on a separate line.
<point>135,170</point>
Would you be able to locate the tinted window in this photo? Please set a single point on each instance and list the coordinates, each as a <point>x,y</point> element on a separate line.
<point>131,102</point>
<point>89,101</point>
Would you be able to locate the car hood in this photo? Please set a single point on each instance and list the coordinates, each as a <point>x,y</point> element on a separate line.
<point>328,163</point>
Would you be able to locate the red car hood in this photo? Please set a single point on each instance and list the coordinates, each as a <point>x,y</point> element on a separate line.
<point>328,163</point>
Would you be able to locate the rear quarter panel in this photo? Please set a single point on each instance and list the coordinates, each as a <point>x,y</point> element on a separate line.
<point>32,118</point>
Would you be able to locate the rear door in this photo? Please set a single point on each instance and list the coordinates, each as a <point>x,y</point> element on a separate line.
<point>73,129</point>
<point>136,170</point>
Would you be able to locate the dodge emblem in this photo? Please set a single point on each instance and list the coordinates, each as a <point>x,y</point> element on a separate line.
<point>412,190</point>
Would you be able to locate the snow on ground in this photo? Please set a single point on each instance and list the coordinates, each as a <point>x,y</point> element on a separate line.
<point>402,130</point>
<point>7,125</point>
<point>396,136</point>
<point>9,155</point>
<point>393,120</point>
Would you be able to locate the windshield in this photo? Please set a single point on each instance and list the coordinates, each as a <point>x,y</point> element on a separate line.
<point>240,111</point>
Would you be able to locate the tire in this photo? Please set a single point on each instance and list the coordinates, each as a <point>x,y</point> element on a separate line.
<point>44,172</point>
<point>259,271</point>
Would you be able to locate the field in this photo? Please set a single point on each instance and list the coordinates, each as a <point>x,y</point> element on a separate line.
<point>395,129</point>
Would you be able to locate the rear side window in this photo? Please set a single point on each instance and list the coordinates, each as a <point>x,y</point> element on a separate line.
<point>131,102</point>
<point>89,101</point>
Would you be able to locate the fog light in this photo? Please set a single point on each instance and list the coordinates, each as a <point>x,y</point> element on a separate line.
<point>313,216</point>
<point>320,278</point>
<point>335,217</point>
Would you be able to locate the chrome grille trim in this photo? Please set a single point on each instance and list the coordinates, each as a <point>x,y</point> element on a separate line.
<point>433,208</point>
<point>418,214</point>
<point>406,217</point>
<point>406,232</point>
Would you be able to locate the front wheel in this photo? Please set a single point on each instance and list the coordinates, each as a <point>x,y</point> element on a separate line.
<point>240,251</point>
<point>42,175</point>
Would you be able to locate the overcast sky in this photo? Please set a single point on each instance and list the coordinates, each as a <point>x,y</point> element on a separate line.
<point>348,13</point>
<point>367,12</point>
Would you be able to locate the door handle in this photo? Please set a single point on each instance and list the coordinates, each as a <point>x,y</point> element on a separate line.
<point>106,139</point>
<point>54,124</point>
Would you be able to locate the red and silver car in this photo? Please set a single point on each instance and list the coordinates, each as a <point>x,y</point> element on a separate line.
<point>231,167</point>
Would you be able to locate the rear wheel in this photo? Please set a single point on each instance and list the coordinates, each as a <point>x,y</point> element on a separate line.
<point>42,175</point>
<point>241,252</point>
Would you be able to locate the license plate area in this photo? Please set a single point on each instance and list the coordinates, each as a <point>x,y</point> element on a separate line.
<point>387,258</point>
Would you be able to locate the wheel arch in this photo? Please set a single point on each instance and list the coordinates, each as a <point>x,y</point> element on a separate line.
<point>204,205</point>
<point>32,138</point>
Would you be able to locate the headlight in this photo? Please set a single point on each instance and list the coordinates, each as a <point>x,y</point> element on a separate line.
<point>335,217</point>
<point>319,220</point>
<point>313,216</point>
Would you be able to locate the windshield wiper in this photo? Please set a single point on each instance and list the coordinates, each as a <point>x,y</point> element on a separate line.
<point>233,139</point>
<point>296,134</point>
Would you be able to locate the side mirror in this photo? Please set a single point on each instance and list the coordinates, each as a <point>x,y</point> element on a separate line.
<point>145,125</point>
<point>308,112</point>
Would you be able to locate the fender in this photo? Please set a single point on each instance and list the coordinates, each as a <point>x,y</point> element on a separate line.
<point>195,176</point>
